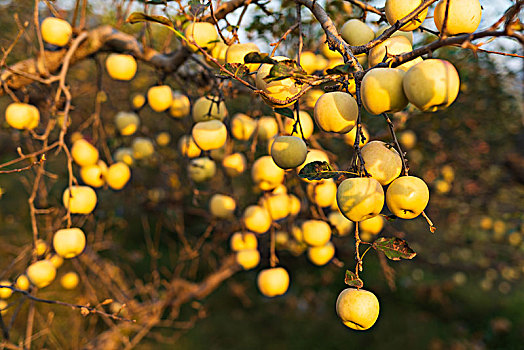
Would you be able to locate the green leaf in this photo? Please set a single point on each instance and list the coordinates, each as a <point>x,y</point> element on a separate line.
<point>257,57</point>
<point>352,280</point>
<point>341,69</point>
<point>285,112</point>
<point>319,170</point>
<point>137,17</point>
<point>238,69</point>
<point>285,69</point>
<point>394,248</point>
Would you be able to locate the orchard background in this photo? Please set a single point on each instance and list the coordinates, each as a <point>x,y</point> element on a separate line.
<point>158,272</point>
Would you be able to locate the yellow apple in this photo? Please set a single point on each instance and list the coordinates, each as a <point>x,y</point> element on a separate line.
<point>432,85</point>
<point>280,89</point>
<point>56,31</point>
<point>350,137</point>
<point>234,164</point>
<point>294,205</point>
<point>118,175</point>
<point>321,255</point>
<point>201,169</point>
<point>398,9</point>
<point>395,45</point>
<point>407,197</point>
<point>69,242</point>
<point>273,282</point>
<point>203,34</point>
<point>41,273</point>
<point>138,101</point>
<point>248,259</point>
<point>448,173</point>
<point>360,198</point>
<point>277,205</point>
<point>288,151</point>
<point>316,233</point>
<point>142,148</point>
<point>22,116</point>
<point>322,192</point>
<point>160,97</point>
<point>188,147</point>
<point>209,107</point>
<point>121,66</point>
<point>222,206</point>
<point>56,260</point>
<point>305,121</point>
<point>22,282</point>
<point>81,201</point>
<point>463,16</point>
<point>327,52</point>
<point>336,112</point>
<point>356,32</point>
<point>94,175</point>
<point>219,53</point>
<point>69,280</point>
<point>382,91</point>
<point>382,162</point>
<point>127,123</point>
<point>408,139</point>
<point>180,107</point>
<point>442,186</point>
<point>242,126</point>
<point>266,174</point>
<point>40,247</point>
<point>281,239</point>
<point>163,138</point>
<point>5,293</point>
<point>84,153</point>
<point>357,308</point>
<point>308,62</point>
<point>408,35</point>
<point>257,219</point>
<point>342,224</point>
<point>3,307</point>
<point>267,128</point>
<point>373,225</point>
<point>243,241</point>
<point>124,154</point>
<point>236,53</point>
<point>209,134</point>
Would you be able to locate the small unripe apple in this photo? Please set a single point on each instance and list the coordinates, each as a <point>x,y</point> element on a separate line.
<point>273,282</point>
<point>322,192</point>
<point>142,148</point>
<point>407,197</point>
<point>118,175</point>
<point>336,112</point>
<point>267,128</point>
<point>432,85</point>
<point>69,242</point>
<point>56,31</point>
<point>398,9</point>
<point>242,126</point>
<point>279,89</point>
<point>395,45</point>
<point>22,116</point>
<point>236,53</point>
<point>69,280</point>
<point>127,123</point>
<point>408,35</point>
<point>266,174</point>
<point>138,101</point>
<point>382,91</point>
<point>316,232</point>
<point>373,225</point>
<point>288,151</point>
<point>234,164</point>
<point>84,153</point>
<point>124,154</point>
<point>222,206</point>
<point>160,97</point>
<point>305,121</point>
<point>463,16</point>
<point>188,147</point>
<point>357,308</point>
<point>294,205</point>
<point>342,224</point>
<point>383,163</point>
<point>41,273</point>
<point>203,34</point>
<point>350,137</point>
<point>248,259</point>
<point>209,107</point>
<point>243,241</point>
<point>201,169</point>
<point>209,134</point>
<point>356,33</point>
<point>81,201</point>
<point>180,107</point>
<point>321,255</point>
<point>163,138</point>
<point>360,198</point>
<point>5,293</point>
<point>277,205</point>
<point>94,175</point>
<point>256,219</point>
<point>22,282</point>
<point>121,66</point>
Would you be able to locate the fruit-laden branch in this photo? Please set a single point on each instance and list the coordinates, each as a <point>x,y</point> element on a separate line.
<point>102,39</point>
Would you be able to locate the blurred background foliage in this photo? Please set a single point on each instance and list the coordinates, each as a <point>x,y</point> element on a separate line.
<point>464,290</point>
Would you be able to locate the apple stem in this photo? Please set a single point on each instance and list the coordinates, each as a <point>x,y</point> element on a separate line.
<point>432,227</point>
<point>405,168</point>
